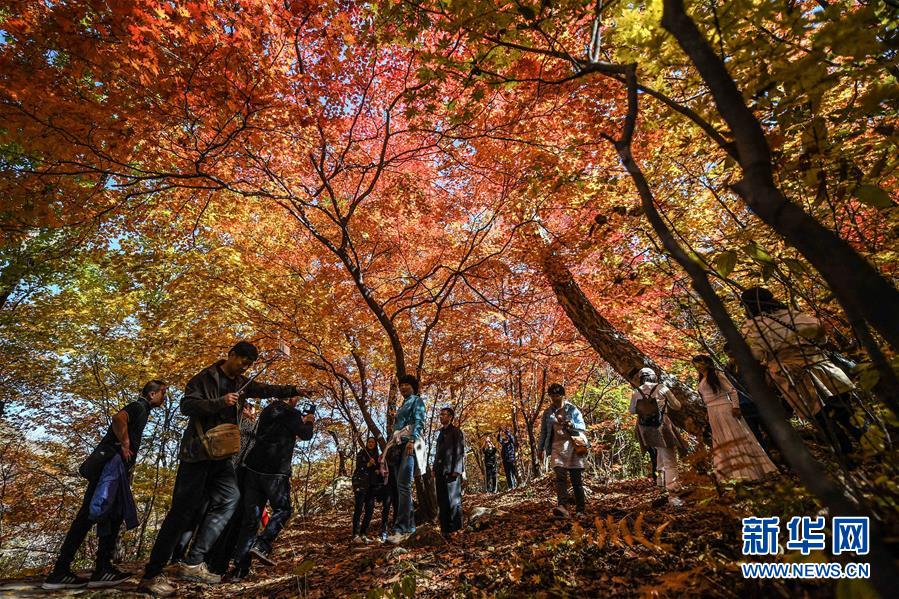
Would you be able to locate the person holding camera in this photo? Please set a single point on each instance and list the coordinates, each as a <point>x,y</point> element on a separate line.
<point>213,400</point>
<point>267,479</point>
<point>562,438</point>
<point>366,489</point>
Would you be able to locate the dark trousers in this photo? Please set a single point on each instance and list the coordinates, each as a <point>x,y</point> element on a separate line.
<point>195,481</point>
<point>260,489</point>
<point>836,417</point>
<point>449,500</point>
<point>577,485</point>
<point>363,508</point>
<point>653,463</point>
<point>511,474</point>
<point>225,549</point>
<point>490,479</point>
<point>107,535</point>
<point>391,498</point>
<point>184,538</point>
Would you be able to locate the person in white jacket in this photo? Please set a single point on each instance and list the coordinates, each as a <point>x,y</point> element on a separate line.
<point>651,401</point>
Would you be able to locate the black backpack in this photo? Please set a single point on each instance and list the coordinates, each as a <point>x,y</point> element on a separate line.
<point>648,411</point>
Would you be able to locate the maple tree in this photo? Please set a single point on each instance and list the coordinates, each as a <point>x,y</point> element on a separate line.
<point>442,188</point>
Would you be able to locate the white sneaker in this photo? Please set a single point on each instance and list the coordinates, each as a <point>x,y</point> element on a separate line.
<point>396,538</point>
<point>675,501</point>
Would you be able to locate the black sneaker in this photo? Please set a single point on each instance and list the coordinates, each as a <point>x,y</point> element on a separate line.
<point>262,555</point>
<point>238,572</point>
<point>65,580</point>
<point>107,577</point>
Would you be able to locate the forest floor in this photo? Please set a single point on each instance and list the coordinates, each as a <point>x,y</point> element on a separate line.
<point>632,544</point>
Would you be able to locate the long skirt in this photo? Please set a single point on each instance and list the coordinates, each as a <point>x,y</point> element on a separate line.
<point>735,451</point>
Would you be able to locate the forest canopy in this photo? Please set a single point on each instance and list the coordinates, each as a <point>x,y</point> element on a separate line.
<point>491,196</point>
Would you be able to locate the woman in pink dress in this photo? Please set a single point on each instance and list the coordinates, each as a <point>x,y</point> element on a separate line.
<point>735,451</point>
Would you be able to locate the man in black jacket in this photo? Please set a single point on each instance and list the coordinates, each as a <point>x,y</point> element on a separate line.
<point>124,436</point>
<point>212,397</point>
<point>449,462</point>
<point>507,443</point>
<point>267,479</point>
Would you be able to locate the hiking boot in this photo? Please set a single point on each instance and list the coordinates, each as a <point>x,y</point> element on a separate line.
<point>109,576</point>
<point>64,580</point>
<point>159,586</point>
<point>198,573</point>
<point>262,555</point>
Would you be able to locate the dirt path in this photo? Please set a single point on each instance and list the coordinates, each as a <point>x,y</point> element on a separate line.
<point>631,544</point>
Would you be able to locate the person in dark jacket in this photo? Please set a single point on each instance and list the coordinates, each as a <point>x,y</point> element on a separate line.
<point>365,489</point>
<point>213,397</point>
<point>267,479</point>
<point>449,463</point>
<point>490,467</point>
<point>507,444</point>
<point>125,434</point>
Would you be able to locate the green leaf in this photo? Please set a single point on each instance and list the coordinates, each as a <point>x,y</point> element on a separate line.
<point>304,567</point>
<point>796,266</point>
<point>868,379</point>
<point>725,262</point>
<point>409,585</point>
<point>873,195</point>
<point>758,253</point>
<point>767,270</point>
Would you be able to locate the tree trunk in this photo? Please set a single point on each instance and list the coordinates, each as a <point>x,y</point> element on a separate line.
<point>616,349</point>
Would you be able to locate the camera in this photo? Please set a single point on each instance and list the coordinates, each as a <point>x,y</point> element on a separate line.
<point>307,407</point>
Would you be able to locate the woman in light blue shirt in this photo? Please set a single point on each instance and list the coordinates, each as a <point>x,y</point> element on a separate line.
<point>410,422</point>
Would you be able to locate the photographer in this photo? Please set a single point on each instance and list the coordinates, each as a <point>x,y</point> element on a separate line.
<point>213,400</point>
<point>562,439</point>
<point>268,467</point>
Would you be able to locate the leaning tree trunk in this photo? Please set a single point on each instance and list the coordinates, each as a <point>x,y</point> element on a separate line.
<point>614,347</point>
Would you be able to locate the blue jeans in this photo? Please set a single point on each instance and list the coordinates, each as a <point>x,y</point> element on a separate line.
<point>405,519</point>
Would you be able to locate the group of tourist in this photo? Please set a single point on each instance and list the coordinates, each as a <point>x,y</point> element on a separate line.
<point>227,473</point>
<point>233,463</point>
<point>790,346</point>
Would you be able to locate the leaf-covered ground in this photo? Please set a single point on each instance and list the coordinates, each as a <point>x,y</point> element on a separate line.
<point>631,544</point>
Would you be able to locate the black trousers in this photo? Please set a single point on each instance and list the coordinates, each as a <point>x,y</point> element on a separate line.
<point>577,485</point>
<point>225,549</point>
<point>196,481</point>
<point>363,508</point>
<point>449,500</point>
<point>490,479</point>
<point>511,474</point>
<point>260,489</point>
<point>81,525</point>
